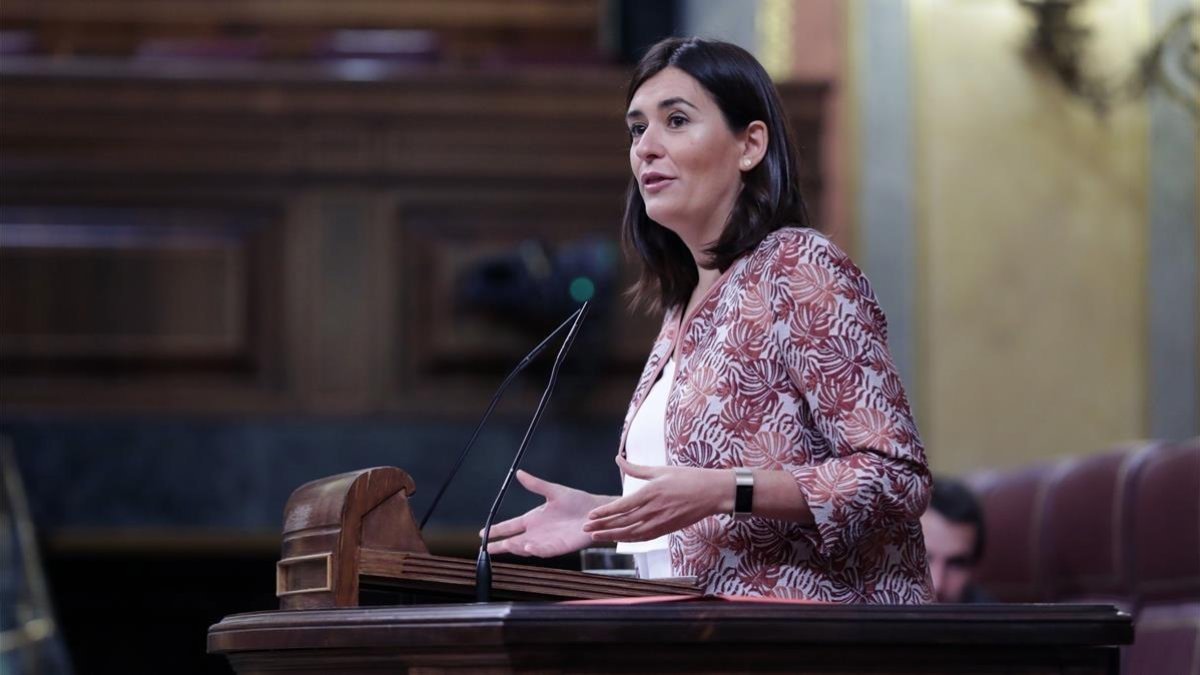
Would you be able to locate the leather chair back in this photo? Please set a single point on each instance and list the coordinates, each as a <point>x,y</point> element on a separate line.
<point>1086,524</point>
<point>1011,570</point>
<point>1165,535</point>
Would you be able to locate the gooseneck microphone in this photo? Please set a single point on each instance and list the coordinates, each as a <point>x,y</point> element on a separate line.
<point>483,564</point>
<point>533,354</point>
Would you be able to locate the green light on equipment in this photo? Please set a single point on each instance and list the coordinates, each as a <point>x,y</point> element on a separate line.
<point>582,289</point>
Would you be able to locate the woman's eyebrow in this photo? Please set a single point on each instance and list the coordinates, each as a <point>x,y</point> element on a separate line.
<point>665,103</point>
<point>675,100</point>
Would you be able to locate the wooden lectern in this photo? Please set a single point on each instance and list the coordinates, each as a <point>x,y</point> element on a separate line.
<point>354,533</point>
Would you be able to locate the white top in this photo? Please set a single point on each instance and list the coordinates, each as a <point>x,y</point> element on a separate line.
<point>646,444</point>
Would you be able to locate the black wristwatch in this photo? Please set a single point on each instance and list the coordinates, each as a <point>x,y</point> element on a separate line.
<point>743,498</point>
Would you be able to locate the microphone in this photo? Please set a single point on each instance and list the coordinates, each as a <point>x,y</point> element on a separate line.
<point>483,564</point>
<point>492,406</point>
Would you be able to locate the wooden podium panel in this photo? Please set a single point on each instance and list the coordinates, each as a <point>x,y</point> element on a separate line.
<point>354,532</point>
<point>705,636</point>
<point>422,574</point>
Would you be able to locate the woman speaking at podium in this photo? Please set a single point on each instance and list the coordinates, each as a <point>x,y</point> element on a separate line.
<point>769,448</point>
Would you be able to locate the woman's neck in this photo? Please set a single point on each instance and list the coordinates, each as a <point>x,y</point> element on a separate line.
<point>707,277</point>
<point>699,237</point>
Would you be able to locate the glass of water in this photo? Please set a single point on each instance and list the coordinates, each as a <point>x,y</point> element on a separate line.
<point>608,562</point>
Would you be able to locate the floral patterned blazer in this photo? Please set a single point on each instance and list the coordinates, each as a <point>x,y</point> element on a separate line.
<point>784,365</point>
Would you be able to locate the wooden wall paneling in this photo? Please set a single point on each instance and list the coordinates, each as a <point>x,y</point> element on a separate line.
<point>339,312</point>
<point>94,292</point>
<point>509,14</point>
<point>301,257</point>
<point>299,122</point>
<point>342,301</point>
<point>268,308</point>
<point>386,277</point>
<point>379,193</point>
<point>453,31</point>
<point>83,142</point>
<point>138,307</point>
<point>339,321</point>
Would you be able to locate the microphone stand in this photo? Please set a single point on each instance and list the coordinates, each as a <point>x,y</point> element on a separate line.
<point>492,406</point>
<point>483,564</point>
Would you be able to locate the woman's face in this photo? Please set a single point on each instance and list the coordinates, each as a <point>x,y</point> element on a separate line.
<point>686,161</point>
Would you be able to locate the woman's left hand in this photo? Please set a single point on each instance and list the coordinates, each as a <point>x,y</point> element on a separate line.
<point>673,498</point>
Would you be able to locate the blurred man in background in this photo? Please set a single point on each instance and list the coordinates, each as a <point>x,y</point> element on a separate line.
<point>954,541</point>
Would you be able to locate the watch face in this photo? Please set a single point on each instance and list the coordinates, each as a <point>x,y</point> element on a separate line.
<point>743,498</point>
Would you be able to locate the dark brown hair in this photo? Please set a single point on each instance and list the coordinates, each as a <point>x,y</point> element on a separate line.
<point>957,504</point>
<point>770,198</point>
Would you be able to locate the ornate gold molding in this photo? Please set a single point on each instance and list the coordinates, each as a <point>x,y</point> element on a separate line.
<point>1059,41</point>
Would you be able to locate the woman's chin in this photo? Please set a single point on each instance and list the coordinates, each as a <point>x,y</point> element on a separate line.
<point>666,217</point>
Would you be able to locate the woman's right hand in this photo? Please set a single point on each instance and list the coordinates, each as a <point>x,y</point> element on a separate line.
<point>554,528</point>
